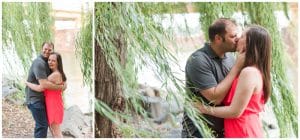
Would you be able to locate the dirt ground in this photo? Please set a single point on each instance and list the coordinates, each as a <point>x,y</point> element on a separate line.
<point>17,121</point>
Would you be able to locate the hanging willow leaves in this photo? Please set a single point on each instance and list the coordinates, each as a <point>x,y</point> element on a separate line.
<point>211,11</point>
<point>146,45</point>
<point>283,99</point>
<point>145,42</point>
<point>263,14</point>
<point>25,26</point>
<point>83,45</point>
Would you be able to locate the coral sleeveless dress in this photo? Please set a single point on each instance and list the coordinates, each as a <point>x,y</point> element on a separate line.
<point>54,106</point>
<point>248,124</point>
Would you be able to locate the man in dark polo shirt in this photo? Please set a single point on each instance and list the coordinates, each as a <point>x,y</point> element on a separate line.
<point>38,73</point>
<point>210,72</point>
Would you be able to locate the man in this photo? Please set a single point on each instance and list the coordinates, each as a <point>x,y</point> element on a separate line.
<point>38,73</point>
<point>206,70</point>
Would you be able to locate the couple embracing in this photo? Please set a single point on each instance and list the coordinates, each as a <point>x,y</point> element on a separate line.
<point>44,86</point>
<point>234,92</point>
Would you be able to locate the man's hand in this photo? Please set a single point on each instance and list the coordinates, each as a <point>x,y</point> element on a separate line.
<point>217,94</point>
<point>200,106</point>
<point>34,87</point>
<point>26,83</point>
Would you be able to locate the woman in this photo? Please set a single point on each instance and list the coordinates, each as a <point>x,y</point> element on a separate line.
<point>250,90</point>
<point>53,98</point>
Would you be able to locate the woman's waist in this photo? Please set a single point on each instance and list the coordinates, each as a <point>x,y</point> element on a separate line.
<point>52,92</point>
<point>246,116</point>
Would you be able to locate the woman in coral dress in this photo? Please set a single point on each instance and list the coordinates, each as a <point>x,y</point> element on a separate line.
<point>250,90</point>
<point>53,98</point>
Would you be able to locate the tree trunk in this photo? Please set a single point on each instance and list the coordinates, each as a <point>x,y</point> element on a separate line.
<point>108,88</point>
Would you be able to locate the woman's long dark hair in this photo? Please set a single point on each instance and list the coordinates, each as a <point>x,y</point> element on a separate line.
<point>258,52</point>
<point>60,65</point>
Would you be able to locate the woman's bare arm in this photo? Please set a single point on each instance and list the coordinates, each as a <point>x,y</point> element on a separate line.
<point>54,78</point>
<point>248,80</point>
<point>217,94</point>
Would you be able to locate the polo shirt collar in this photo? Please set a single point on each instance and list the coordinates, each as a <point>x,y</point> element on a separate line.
<point>210,52</point>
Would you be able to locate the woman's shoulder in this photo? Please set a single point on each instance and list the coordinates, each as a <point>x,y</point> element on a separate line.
<point>250,69</point>
<point>250,72</point>
<point>251,77</point>
<point>55,77</point>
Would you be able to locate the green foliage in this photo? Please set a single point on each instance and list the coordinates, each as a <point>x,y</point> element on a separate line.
<point>210,11</point>
<point>84,49</point>
<point>25,26</point>
<point>134,132</point>
<point>146,43</point>
<point>282,98</point>
<point>20,93</point>
<point>127,130</point>
<point>163,8</point>
<point>285,10</point>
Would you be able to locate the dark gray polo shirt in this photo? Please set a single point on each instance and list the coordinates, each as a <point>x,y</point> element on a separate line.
<point>204,69</point>
<point>38,70</point>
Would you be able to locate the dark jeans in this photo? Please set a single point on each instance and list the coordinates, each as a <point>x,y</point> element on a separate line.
<point>38,111</point>
<point>186,134</point>
<point>197,134</point>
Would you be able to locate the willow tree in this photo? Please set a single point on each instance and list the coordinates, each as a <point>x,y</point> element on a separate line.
<point>282,97</point>
<point>25,26</point>
<point>126,39</point>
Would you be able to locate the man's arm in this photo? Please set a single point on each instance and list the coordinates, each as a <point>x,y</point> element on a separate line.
<point>244,90</point>
<point>217,94</point>
<point>34,87</point>
<point>45,84</point>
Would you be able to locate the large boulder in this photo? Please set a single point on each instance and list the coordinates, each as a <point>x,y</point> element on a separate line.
<point>75,123</point>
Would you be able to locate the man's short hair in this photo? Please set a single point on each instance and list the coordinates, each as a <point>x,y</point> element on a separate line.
<point>219,28</point>
<point>49,43</point>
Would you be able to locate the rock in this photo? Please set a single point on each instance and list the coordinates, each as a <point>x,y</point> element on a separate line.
<point>11,92</point>
<point>172,107</point>
<point>173,133</point>
<point>75,123</point>
<point>13,95</point>
<point>8,90</point>
<point>159,109</point>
